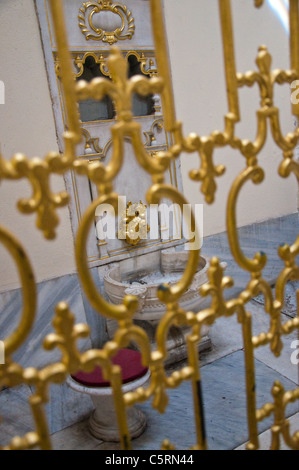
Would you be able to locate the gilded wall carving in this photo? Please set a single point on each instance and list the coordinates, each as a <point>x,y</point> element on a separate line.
<point>88,12</point>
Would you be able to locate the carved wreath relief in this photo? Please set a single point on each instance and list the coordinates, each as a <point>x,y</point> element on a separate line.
<point>89,17</point>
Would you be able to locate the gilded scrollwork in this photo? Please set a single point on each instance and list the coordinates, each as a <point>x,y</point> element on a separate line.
<point>90,9</point>
<point>146,60</point>
<point>157,126</point>
<point>92,144</point>
<point>99,59</point>
<point>43,201</point>
<point>281,426</point>
<point>205,146</point>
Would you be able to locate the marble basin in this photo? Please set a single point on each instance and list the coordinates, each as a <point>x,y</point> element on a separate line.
<point>142,277</point>
<point>144,284</point>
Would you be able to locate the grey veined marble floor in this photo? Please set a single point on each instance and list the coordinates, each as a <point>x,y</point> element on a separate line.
<point>222,367</point>
<point>224,399</point>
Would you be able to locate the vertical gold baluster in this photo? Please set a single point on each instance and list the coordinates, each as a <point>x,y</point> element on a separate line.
<point>294,40</point>
<point>250,382</point>
<point>38,412</point>
<point>297,297</point>
<point>229,58</point>
<point>66,69</point>
<point>192,344</point>
<point>163,64</point>
<point>120,409</point>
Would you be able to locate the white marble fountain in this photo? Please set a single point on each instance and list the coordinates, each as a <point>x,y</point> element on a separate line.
<point>138,268</point>
<point>141,276</point>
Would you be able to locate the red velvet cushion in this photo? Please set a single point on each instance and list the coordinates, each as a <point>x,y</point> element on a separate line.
<point>128,360</point>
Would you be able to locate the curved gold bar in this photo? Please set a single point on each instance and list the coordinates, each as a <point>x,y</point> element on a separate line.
<point>26,276</point>
<point>255,174</point>
<point>260,285</point>
<point>157,164</point>
<point>291,441</point>
<point>289,253</point>
<point>287,274</point>
<point>124,336</point>
<point>173,313</point>
<point>117,312</point>
<point>114,166</point>
<point>251,149</point>
<point>288,166</point>
<point>287,143</point>
<point>166,293</point>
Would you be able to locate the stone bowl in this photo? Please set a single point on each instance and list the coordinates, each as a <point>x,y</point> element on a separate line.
<point>144,284</point>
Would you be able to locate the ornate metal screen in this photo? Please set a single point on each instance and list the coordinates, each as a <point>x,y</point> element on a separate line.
<point>45,204</point>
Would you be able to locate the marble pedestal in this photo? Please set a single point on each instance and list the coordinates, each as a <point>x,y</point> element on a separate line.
<point>103,421</point>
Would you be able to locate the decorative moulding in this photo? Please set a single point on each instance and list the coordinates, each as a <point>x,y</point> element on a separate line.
<point>89,21</point>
